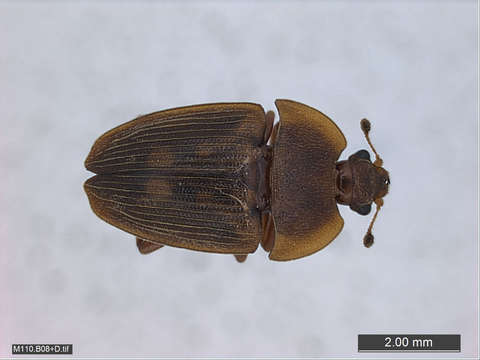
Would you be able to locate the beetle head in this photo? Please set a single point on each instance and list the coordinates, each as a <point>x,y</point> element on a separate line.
<point>359,182</point>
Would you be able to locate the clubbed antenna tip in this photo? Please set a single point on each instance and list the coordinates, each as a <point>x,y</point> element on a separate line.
<point>368,240</point>
<point>365,125</point>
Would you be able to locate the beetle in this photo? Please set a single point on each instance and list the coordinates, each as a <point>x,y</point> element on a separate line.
<point>222,178</point>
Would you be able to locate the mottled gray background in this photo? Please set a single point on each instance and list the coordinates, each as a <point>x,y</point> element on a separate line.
<point>71,71</point>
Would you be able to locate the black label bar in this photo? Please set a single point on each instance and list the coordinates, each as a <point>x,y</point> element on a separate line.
<point>408,342</point>
<point>42,349</point>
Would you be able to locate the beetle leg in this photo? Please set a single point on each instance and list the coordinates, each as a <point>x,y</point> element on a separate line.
<point>241,258</point>
<point>265,216</point>
<point>274,134</point>
<point>268,239</point>
<point>269,117</point>
<point>146,247</point>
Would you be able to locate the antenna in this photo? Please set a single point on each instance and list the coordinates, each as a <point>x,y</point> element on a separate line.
<point>368,238</point>
<point>366,126</point>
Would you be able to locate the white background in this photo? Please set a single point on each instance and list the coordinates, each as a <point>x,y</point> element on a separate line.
<point>71,71</point>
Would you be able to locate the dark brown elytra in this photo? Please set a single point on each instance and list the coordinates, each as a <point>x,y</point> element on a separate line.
<point>221,178</point>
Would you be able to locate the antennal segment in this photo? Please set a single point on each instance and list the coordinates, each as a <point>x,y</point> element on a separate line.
<point>368,238</point>
<point>366,126</point>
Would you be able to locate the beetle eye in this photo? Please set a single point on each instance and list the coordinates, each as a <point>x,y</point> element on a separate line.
<point>363,154</point>
<point>364,209</point>
<point>386,181</point>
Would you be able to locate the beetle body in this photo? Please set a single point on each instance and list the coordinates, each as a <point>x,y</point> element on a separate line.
<point>215,178</point>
